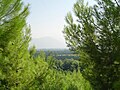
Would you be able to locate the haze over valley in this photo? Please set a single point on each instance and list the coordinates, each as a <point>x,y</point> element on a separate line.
<point>48,43</point>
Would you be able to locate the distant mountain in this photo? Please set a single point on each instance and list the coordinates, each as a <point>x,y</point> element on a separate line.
<point>47,43</point>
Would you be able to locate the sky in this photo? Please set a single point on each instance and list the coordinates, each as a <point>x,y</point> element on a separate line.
<point>47,17</point>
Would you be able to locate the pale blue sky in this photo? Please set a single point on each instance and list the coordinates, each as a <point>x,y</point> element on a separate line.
<point>47,17</point>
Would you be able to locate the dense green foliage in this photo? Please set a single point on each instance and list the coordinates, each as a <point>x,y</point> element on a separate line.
<point>17,67</point>
<point>95,35</point>
<point>61,78</point>
<point>20,68</point>
<point>66,81</point>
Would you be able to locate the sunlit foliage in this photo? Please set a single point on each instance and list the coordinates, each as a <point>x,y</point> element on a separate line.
<point>95,36</point>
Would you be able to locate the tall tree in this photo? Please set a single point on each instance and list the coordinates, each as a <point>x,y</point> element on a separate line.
<point>19,70</point>
<point>95,35</point>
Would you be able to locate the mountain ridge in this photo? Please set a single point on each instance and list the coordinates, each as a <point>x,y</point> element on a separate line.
<point>47,43</point>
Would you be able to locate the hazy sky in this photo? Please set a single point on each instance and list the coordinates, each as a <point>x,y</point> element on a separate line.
<point>47,17</point>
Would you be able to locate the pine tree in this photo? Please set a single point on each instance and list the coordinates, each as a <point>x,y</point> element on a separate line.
<point>95,35</point>
<point>14,38</point>
<point>19,69</point>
